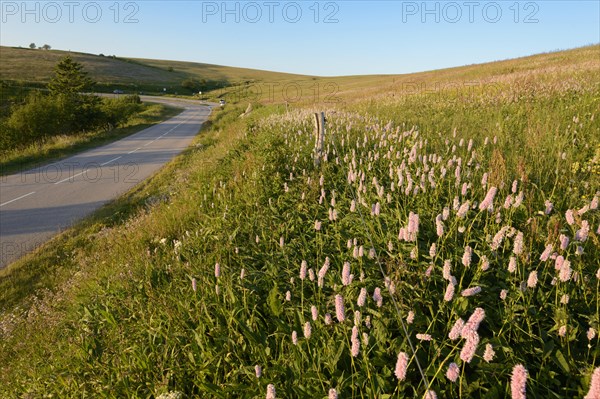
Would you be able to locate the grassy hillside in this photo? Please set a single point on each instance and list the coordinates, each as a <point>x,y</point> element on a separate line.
<point>36,66</point>
<point>243,267</point>
<point>250,85</point>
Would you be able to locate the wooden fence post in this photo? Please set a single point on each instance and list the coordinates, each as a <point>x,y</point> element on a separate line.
<point>319,136</point>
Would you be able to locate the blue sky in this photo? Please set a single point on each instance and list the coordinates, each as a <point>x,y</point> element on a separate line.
<point>309,37</point>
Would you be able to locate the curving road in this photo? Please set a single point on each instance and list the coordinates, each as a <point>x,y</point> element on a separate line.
<point>39,203</point>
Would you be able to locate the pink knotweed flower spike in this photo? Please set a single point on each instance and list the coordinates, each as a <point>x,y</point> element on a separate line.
<point>271,394</point>
<point>518,382</point>
<point>333,394</point>
<point>594,391</point>
<point>430,395</point>
<point>339,308</point>
<point>489,353</point>
<point>453,372</point>
<point>401,365</point>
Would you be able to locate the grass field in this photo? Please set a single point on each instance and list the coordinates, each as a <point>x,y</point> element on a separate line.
<point>446,245</point>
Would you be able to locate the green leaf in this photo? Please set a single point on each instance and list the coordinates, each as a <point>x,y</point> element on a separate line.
<point>561,361</point>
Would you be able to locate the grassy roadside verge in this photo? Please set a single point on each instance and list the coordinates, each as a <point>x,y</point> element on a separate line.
<point>49,266</point>
<point>59,147</point>
<point>43,291</point>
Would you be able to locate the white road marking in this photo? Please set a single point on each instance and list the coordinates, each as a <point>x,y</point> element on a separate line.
<point>16,199</point>
<point>70,177</point>
<point>107,162</point>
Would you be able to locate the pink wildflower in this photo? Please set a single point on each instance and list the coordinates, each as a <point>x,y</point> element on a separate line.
<point>355,342</point>
<point>548,206</point>
<point>439,226</point>
<point>194,285</point>
<point>432,250</point>
<point>569,217</point>
<point>489,353</point>
<point>565,271</point>
<point>424,337</point>
<point>518,244</point>
<point>346,274</point>
<point>333,394</point>
<point>413,226</point>
<point>428,271</point>
<point>547,252</point>
<point>357,317</point>
<point>453,372</point>
<point>314,312</point>
<point>564,241</point>
<point>271,394</point>
<point>558,262</point>
<point>430,394</point>
<point>362,297</point>
<point>303,269</point>
<point>466,259</point>
<point>217,270</point>
<point>456,330</point>
<point>328,319</point>
<point>410,317</point>
<point>582,234</point>
<point>470,346</point>
<point>532,280</point>
<point>339,308</point>
<point>518,200</point>
<point>485,263</point>
<point>512,264</point>
<point>294,337</point>
<point>591,333</point>
<point>497,240</point>
<point>307,330</point>
<point>446,270</point>
<point>258,371</point>
<point>377,297</point>
<point>445,213</point>
<point>449,293</point>
<point>562,331</point>
<point>471,291</point>
<point>462,211</point>
<point>594,203</point>
<point>401,365</point>
<point>503,294</point>
<point>473,322</point>
<point>488,201</point>
<point>484,180</point>
<point>518,382</point>
<point>594,392</point>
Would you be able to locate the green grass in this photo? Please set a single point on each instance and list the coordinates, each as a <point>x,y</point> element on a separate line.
<point>108,309</point>
<point>249,85</point>
<point>62,146</point>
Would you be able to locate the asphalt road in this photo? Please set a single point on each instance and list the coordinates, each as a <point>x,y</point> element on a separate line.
<point>39,203</point>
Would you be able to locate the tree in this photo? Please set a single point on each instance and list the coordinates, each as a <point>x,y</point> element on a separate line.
<point>69,78</point>
<point>32,46</point>
<point>190,84</point>
<point>46,47</point>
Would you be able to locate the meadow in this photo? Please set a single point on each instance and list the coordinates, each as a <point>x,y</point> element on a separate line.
<point>446,245</point>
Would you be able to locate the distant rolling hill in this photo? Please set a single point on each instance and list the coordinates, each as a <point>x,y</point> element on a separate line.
<point>134,75</point>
